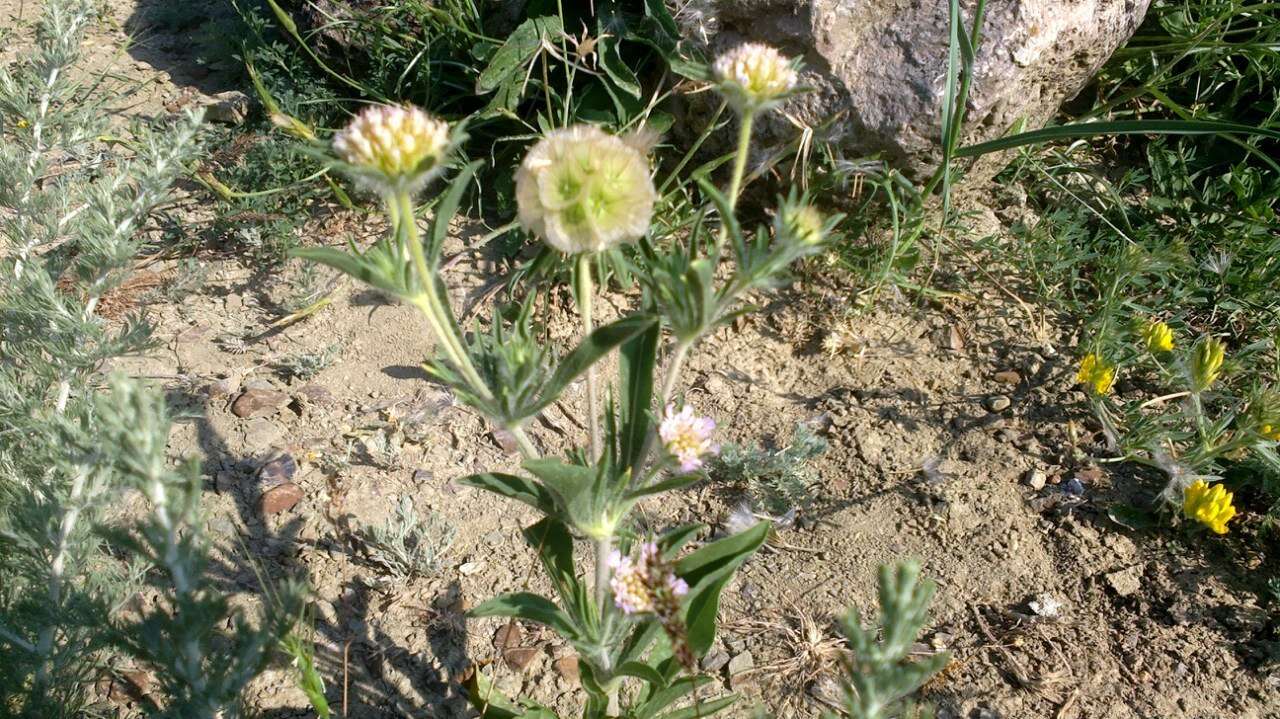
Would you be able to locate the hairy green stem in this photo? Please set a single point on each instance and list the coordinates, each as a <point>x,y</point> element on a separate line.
<point>740,160</point>
<point>429,303</point>
<point>586,289</point>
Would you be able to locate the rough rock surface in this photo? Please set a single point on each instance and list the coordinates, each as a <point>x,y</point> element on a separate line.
<point>879,66</point>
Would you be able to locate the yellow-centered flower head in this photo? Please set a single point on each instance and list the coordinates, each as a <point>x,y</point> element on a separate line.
<point>1096,375</point>
<point>402,144</point>
<point>1206,363</point>
<point>1208,505</point>
<point>1157,336</point>
<point>754,76</point>
<point>584,190</point>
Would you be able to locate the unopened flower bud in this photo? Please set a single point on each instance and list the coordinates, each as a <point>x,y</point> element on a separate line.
<point>1157,336</point>
<point>1206,363</point>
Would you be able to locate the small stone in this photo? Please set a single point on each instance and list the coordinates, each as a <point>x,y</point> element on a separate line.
<point>221,388</point>
<point>1008,377</point>
<point>261,434</point>
<point>229,108</point>
<point>507,636</point>
<point>469,568</point>
<point>281,498</point>
<point>505,441</point>
<point>1035,479</point>
<point>739,668</point>
<point>715,661</point>
<point>519,658</point>
<point>1074,487</point>
<point>1126,582</point>
<point>317,395</point>
<point>998,403</point>
<point>423,476</point>
<point>258,402</point>
<point>567,667</point>
<point>278,470</point>
<point>1045,605</point>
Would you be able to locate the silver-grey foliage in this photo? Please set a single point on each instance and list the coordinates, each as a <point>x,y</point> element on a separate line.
<point>71,448</point>
<point>408,545</point>
<point>881,672</point>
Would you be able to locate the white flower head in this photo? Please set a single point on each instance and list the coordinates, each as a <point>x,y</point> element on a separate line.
<point>754,76</point>
<point>584,190</point>
<point>393,146</point>
<point>686,437</point>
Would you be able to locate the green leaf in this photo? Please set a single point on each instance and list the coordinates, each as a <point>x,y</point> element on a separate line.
<point>677,482</point>
<point>707,571</point>
<point>616,68</point>
<point>344,262</point>
<point>445,211</point>
<point>530,607</point>
<point>644,673</point>
<point>521,489</point>
<point>673,539</point>
<point>521,45</point>
<point>596,345</point>
<point>663,698</point>
<point>636,361</point>
<point>702,709</point>
<point>1119,127</point>
<point>550,538</point>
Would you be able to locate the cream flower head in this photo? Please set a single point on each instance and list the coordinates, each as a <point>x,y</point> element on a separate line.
<point>396,146</point>
<point>754,76</point>
<point>584,190</point>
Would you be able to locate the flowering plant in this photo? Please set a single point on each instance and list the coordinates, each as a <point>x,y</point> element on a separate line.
<point>650,611</point>
<point>1197,432</point>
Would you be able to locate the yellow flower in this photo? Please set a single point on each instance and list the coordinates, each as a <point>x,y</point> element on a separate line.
<point>1208,505</point>
<point>754,76</point>
<point>584,190</point>
<point>393,146</point>
<point>1096,375</point>
<point>1206,363</point>
<point>1157,336</point>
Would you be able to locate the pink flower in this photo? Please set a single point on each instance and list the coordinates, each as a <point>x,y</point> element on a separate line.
<point>646,585</point>
<point>686,437</point>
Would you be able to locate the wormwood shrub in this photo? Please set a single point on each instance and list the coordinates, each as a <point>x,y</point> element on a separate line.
<point>73,446</point>
<point>640,620</point>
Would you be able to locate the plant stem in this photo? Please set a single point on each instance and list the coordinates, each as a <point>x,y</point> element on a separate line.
<point>678,355</point>
<point>740,160</point>
<point>428,301</point>
<point>585,291</point>
<point>604,547</point>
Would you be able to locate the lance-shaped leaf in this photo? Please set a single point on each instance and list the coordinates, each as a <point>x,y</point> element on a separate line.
<point>707,570</point>
<point>596,345</point>
<point>446,208</point>
<point>637,358</point>
<point>530,607</point>
<point>521,489</point>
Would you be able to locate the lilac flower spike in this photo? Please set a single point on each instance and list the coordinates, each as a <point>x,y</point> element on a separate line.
<point>686,437</point>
